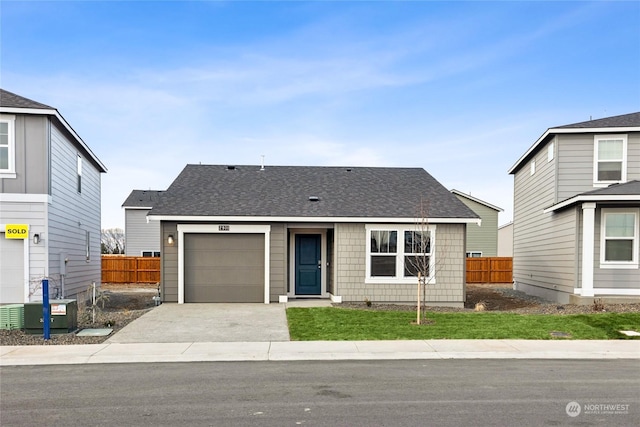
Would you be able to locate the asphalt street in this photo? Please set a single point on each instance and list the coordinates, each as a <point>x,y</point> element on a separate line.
<point>325,393</point>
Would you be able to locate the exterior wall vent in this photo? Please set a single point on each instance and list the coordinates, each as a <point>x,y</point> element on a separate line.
<point>314,198</point>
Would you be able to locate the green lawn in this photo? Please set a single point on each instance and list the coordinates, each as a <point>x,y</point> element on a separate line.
<point>335,324</point>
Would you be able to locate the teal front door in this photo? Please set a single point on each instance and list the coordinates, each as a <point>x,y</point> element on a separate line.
<point>308,264</point>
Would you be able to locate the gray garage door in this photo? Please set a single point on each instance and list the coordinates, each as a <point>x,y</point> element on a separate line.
<point>223,267</point>
<point>11,270</point>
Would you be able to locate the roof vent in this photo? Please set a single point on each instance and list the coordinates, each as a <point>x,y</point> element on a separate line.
<point>348,169</point>
<point>314,198</point>
<point>231,168</point>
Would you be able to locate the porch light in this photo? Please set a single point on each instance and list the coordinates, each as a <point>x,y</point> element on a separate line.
<point>36,239</point>
<point>170,239</point>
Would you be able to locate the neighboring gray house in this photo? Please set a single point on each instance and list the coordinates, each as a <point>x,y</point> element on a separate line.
<point>50,190</point>
<point>252,234</point>
<point>482,239</point>
<point>142,236</point>
<point>505,240</point>
<point>577,212</point>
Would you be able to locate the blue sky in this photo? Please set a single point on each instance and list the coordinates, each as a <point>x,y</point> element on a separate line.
<point>461,89</point>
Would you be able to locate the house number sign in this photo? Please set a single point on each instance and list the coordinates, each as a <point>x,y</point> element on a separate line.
<point>223,228</point>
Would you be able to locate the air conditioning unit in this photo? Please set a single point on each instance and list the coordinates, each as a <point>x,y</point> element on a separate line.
<point>12,316</point>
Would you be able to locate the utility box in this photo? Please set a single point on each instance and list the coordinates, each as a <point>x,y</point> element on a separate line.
<point>63,314</point>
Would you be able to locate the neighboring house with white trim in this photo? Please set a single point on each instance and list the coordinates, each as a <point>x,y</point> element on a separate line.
<point>50,188</point>
<point>268,234</point>
<point>577,212</point>
<point>482,240</point>
<point>142,236</point>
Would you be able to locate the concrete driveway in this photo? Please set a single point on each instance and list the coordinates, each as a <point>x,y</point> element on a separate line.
<point>175,323</point>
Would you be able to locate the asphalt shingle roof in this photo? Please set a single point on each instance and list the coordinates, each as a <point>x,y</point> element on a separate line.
<point>625,120</point>
<point>630,188</point>
<point>142,198</point>
<point>284,191</point>
<point>11,100</point>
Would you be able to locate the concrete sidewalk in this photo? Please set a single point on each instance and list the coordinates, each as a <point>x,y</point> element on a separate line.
<point>316,350</point>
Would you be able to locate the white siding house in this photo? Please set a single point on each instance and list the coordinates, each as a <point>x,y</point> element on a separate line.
<point>50,187</point>
<point>577,212</point>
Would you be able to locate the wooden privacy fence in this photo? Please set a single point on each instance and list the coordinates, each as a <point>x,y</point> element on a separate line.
<point>130,269</point>
<point>490,270</point>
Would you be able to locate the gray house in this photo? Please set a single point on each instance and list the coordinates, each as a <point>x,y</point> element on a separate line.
<point>143,236</point>
<point>577,212</point>
<point>253,234</point>
<point>49,203</point>
<point>482,240</point>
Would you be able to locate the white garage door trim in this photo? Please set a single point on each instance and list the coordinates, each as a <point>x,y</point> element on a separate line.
<point>25,272</point>
<point>222,229</point>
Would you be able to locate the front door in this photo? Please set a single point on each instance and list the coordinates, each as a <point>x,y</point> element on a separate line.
<point>308,264</point>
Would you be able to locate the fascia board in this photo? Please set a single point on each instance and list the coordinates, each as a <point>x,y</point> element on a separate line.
<point>180,218</point>
<point>67,126</point>
<point>567,131</point>
<point>597,198</point>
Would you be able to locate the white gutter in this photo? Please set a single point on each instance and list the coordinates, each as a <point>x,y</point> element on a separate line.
<point>180,218</point>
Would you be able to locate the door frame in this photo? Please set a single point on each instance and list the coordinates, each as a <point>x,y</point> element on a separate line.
<point>323,261</point>
<point>226,229</point>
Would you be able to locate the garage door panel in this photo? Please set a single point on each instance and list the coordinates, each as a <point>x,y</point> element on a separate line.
<point>224,267</point>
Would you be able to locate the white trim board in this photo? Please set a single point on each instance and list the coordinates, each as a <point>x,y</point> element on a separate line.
<point>232,229</point>
<point>362,220</point>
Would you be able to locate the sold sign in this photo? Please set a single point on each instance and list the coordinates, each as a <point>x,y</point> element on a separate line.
<point>16,231</point>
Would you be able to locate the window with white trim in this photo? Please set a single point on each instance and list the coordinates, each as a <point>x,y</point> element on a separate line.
<point>152,254</point>
<point>7,147</point>
<point>87,245</point>
<point>550,151</point>
<point>610,159</point>
<point>395,254</point>
<point>532,167</point>
<point>79,170</point>
<point>619,238</point>
<point>474,254</point>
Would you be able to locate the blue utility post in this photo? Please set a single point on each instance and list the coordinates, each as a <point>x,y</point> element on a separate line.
<point>46,316</point>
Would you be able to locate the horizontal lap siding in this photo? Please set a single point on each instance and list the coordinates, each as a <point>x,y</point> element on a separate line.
<point>544,252</point>
<point>71,214</point>
<point>142,235</point>
<point>482,238</point>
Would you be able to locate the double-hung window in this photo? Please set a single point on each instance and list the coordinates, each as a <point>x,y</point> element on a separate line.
<point>610,159</point>
<point>7,147</point>
<point>619,238</point>
<point>396,254</point>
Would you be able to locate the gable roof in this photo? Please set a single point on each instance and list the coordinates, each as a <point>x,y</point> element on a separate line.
<point>208,192</point>
<point>142,199</point>
<point>475,199</point>
<point>10,103</point>
<point>625,192</point>
<point>623,123</point>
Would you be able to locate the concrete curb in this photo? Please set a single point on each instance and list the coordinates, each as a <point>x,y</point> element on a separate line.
<point>317,350</point>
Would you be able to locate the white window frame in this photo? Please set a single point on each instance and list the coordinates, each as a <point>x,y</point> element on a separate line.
<point>533,167</point>
<point>10,172</point>
<point>471,254</point>
<point>79,172</point>
<point>399,277</point>
<point>603,238</point>
<point>153,254</point>
<point>551,151</point>
<point>596,160</point>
